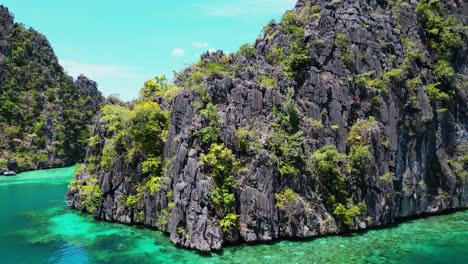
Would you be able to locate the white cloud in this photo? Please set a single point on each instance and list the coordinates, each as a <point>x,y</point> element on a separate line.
<point>95,71</point>
<point>200,44</point>
<point>178,52</point>
<point>246,7</point>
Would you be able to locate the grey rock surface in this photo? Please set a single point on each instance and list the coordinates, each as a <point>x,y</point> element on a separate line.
<point>412,138</point>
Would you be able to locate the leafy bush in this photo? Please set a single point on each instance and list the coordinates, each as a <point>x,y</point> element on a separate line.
<point>435,94</point>
<point>288,117</point>
<point>443,31</point>
<point>148,127</point>
<point>154,88</point>
<point>325,164</point>
<point>443,70</point>
<point>220,164</point>
<point>211,132</point>
<point>347,213</point>
<point>228,221</point>
<point>247,50</point>
<point>387,177</point>
<point>459,163</point>
<point>285,199</point>
<point>89,191</point>
<point>3,163</point>
<point>243,136</point>
<point>316,126</point>
<point>267,82</point>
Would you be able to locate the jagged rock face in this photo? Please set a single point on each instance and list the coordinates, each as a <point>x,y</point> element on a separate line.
<point>411,137</point>
<point>45,115</point>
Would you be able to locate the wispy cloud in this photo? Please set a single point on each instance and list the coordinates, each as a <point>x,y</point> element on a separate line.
<point>94,71</point>
<point>178,52</point>
<point>200,44</point>
<point>241,8</point>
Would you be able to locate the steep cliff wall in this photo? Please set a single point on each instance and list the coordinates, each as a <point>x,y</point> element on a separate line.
<point>346,115</point>
<point>45,114</point>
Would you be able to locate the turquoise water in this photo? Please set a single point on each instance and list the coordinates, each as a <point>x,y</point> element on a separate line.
<point>37,227</point>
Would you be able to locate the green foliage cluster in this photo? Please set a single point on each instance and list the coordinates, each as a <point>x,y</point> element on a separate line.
<point>387,177</point>
<point>221,166</point>
<point>359,154</point>
<point>158,87</point>
<point>326,164</point>
<point>136,132</point>
<point>285,142</point>
<point>88,188</point>
<point>230,220</point>
<point>459,163</point>
<point>443,30</point>
<point>298,57</point>
<point>285,199</point>
<point>211,132</point>
<point>444,33</point>
<point>131,201</point>
<point>398,6</point>
<point>153,169</point>
<point>205,70</point>
<point>133,132</point>
<point>333,170</point>
<point>267,82</point>
<point>443,70</point>
<point>247,50</point>
<point>244,138</point>
<point>434,93</point>
<point>347,213</point>
<point>316,126</point>
<point>275,54</point>
<point>34,89</point>
<point>346,55</point>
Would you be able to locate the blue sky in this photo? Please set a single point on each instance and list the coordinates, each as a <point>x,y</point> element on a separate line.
<point>120,44</point>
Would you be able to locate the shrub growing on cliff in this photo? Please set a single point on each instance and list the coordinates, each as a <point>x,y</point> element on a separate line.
<point>247,50</point>
<point>285,142</point>
<point>220,164</point>
<point>346,55</point>
<point>285,199</point>
<point>211,132</point>
<point>89,190</point>
<point>442,30</point>
<point>326,164</point>
<point>228,221</point>
<point>434,93</point>
<point>459,163</point>
<point>154,88</point>
<point>347,213</point>
<point>148,127</point>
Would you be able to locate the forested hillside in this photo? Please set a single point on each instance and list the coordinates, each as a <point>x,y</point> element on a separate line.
<point>45,114</point>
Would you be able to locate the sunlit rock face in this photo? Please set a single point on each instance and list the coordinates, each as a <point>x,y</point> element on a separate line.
<point>366,77</point>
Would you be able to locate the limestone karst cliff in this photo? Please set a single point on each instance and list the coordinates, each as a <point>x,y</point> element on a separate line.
<point>345,115</point>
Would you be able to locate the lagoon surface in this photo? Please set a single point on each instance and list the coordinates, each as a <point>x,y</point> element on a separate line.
<point>37,227</point>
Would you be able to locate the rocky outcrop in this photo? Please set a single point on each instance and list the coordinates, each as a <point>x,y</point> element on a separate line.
<point>364,76</point>
<point>45,114</point>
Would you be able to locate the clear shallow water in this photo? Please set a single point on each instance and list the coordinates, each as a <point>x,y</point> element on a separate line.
<point>37,227</point>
